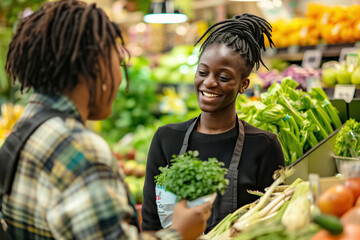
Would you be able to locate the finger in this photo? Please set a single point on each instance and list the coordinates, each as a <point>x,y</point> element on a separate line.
<point>207,214</point>
<point>182,203</point>
<point>204,207</point>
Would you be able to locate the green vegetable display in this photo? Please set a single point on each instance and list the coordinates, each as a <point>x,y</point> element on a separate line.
<point>299,119</point>
<point>134,108</point>
<point>177,66</point>
<point>280,213</point>
<point>347,143</point>
<point>190,178</point>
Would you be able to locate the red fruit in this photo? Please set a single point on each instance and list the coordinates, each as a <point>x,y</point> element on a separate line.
<point>354,185</point>
<point>336,200</point>
<point>140,171</point>
<point>357,202</point>
<point>130,167</point>
<point>121,164</point>
<point>352,216</point>
<point>131,154</point>
<point>117,156</point>
<point>351,232</point>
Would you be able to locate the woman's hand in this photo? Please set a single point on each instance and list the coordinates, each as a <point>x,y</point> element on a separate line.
<point>190,222</point>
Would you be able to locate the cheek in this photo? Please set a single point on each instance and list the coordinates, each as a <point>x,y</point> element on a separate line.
<point>117,75</point>
<point>197,81</point>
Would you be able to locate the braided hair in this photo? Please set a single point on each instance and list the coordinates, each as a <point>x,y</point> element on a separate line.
<point>243,33</point>
<point>61,40</point>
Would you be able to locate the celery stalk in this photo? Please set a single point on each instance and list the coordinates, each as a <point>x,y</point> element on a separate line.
<point>314,120</point>
<point>323,117</point>
<point>330,109</point>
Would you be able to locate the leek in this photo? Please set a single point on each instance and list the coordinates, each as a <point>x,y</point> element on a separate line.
<point>297,215</point>
<point>254,213</point>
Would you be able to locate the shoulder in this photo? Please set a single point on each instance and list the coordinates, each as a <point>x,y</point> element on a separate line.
<point>254,132</point>
<point>64,147</point>
<point>92,145</point>
<point>174,127</point>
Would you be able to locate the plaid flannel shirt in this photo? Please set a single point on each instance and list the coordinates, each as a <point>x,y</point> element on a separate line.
<point>68,184</point>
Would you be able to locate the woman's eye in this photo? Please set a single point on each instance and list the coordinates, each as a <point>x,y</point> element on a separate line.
<point>224,78</point>
<point>202,74</point>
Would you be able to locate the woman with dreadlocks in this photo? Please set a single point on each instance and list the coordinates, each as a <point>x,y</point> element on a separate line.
<point>66,184</point>
<point>251,155</point>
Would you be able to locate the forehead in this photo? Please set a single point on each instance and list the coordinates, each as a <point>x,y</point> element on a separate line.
<point>222,55</point>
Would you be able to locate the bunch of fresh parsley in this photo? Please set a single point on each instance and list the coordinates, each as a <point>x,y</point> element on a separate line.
<point>190,178</point>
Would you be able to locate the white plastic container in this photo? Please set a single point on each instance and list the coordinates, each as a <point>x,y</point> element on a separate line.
<point>166,202</point>
<point>347,166</point>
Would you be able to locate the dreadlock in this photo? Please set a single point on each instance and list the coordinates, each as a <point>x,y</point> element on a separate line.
<point>243,33</point>
<point>61,40</point>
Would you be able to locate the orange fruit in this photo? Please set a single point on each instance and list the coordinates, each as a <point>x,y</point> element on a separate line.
<point>354,185</point>
<point>351,232</point>
<point>336,200</point>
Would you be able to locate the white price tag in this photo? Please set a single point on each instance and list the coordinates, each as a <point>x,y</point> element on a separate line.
<point>352,61</point>
<point>344,91</point>
<point>312,82</point>
<point>345,51</point>
<point>312,59</point>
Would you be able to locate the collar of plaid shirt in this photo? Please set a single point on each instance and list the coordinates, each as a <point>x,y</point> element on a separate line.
<point>57,102</point>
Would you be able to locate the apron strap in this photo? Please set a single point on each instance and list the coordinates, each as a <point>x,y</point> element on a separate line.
<point>235,160</point>
<point>186,138</point>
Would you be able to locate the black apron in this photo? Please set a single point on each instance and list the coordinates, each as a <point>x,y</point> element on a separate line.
<point>227,203</point>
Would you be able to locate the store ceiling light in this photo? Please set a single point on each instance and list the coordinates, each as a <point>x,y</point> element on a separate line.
<point>163,11</point>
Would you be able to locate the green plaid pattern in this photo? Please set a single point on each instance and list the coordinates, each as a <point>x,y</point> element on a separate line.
<point>68,184</point>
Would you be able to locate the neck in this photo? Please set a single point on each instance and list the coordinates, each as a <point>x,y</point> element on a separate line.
<point>213,123</point>
<point>80,97</point>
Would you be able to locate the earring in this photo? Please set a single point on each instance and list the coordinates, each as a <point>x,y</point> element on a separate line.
<point>104,87</point>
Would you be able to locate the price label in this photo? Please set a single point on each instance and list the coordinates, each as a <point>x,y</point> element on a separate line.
<point>312,82</point>
<point>344,91</point>
<point>345,51</point>
<point>352,61</point>
<point>312,59</point>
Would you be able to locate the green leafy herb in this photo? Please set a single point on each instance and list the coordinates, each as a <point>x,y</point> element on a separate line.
<point>346,144</point>
<point>190,178</point>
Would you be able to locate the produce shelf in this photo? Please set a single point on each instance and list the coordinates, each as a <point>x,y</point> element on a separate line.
<point>318,159</point>
<point>296,53</point>
<point>330,92</point>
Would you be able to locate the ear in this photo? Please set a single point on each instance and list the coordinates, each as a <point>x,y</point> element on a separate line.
<point>244,84</point>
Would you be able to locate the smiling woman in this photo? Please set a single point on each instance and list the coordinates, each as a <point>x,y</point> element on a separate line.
<point>219,79</point>
<point>60,180</point>
<point>228,55</point>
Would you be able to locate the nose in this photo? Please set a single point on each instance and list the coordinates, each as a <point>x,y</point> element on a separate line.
<point>210,81</point>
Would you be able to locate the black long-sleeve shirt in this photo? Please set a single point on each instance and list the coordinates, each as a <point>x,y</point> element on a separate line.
<point>261,156</point>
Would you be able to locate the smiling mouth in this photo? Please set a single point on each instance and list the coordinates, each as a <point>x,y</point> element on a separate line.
<point>209,94</point>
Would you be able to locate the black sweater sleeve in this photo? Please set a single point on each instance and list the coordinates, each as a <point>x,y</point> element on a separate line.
<point>150,217</point>
<point>272,160</point>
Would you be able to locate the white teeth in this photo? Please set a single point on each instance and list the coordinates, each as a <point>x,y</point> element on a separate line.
<point>209,94</point>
